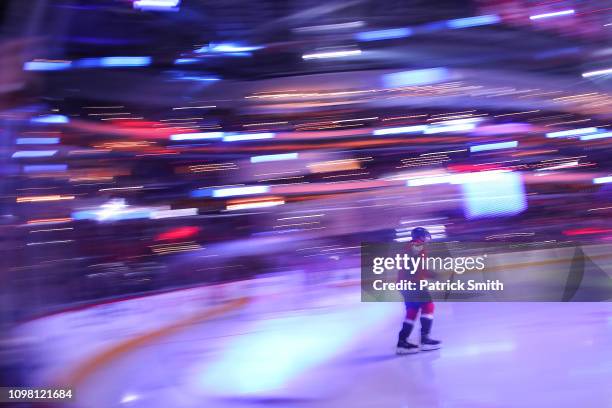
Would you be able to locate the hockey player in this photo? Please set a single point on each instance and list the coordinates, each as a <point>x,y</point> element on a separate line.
<point>417,300</point>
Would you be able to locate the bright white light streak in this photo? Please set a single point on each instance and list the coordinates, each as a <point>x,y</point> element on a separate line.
<point>331,54</point>
<point>34,153</point>
<point>479,176</point>
<point>240,191</point>
<point>197,136</point>
<point>274,157</point>
<point>602,180</point>
<point>449,128</point>
<point>168,5</point>
<point>589,74</point>
<point>573,132</point>
<point>195,107</point>
<point>258,204</point>
<point>51,229</point>
<point>129,398</point>
<point>235,48</point>
<point>400,130</point>
<point>458,121</point>
<point>603,135</point>
<point>426,181</point>
<point>248,136</point>
<point>560,166</point>
<point>554,14</point>
<point>493,146</point>
<point>50,242</point>
<point>50,119</point>
<point>182,212</point>
<point>198,78</point>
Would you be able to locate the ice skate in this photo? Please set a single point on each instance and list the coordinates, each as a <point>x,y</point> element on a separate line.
<point>429,344</point>
<point>403,347</point>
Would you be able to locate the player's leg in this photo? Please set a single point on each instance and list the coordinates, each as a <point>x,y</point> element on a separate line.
<point>403,346</point>
<point>427,343</point>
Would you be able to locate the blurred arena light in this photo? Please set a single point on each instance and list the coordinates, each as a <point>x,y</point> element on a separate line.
<point>182,61</point>
<point>239,191</point>
<point>228,48</point>
<point>37,140</point>
<point>572,132</point>
<point>493,146</point>
<point>403,32</point>
<point>197,136</point>
<point>443,128</point>
<point>33,153</point>
<point>573,163</point>
<point>603,135</point>
<point>178,233</point>
<point>502,128</point>
<point>44,168</point>
<point>106,62</point>
<point>46,65</point>
<point>400,130</point>
<point>181,212</point>
<point>125,61</point>
<point>497,193</point>
<point>248,136</point>
<point>388,34</point>
<point>415,77</point>
<point>113,210</point>
<point>197,78</point>
<point>602,180</point>
<point>35,199</point>
<point>45,221</point>
<point>471,177</point>
<point>157,5</point>
<point>274,157</point>
<point>50,119</point>
<point>331,54</point>
<point>128,398</point>
<point>553,14</point>
<point>334,165</point>
<point>426,181</point>
<point>586,231</point>
<point>252,204</point>
<point>458,178</point>
<point>473,21</point>
<point>455,125</point>
<point>329,27</point>
<point>589,74</point>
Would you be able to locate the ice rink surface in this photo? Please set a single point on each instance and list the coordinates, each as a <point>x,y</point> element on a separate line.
<point>337,352</point>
